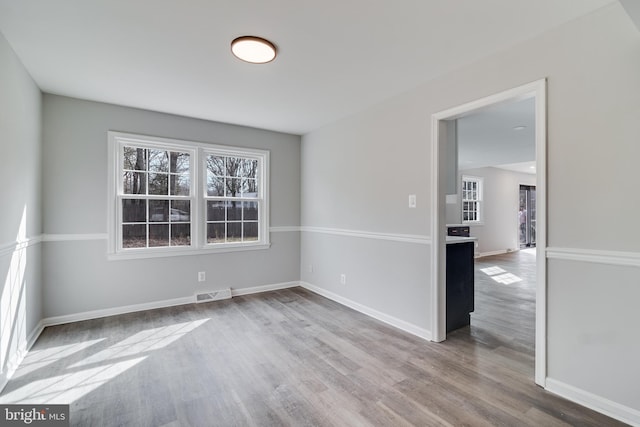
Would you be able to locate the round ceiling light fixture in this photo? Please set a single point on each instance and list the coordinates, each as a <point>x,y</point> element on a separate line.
<point>255,50</point>
<point>521,127</point>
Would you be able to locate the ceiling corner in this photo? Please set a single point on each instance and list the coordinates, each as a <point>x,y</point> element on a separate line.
<point>633,10</point>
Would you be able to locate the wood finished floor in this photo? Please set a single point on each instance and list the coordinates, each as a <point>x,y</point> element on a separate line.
<point>293,358</point>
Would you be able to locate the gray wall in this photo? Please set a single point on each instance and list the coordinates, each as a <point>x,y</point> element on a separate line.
<point>499,231</point>
<point>20,215</point>
<point>357,174</point>
<point>78,276</point>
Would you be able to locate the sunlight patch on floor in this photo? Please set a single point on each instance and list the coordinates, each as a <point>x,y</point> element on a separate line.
<point>91,372</point>
<point>490,271</point>
<point>501,275</point>
<point>506,279</point>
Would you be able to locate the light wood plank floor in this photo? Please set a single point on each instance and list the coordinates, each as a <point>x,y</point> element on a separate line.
<point>283,358</point>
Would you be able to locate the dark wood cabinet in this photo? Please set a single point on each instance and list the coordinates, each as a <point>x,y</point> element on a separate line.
<point>460,284</point>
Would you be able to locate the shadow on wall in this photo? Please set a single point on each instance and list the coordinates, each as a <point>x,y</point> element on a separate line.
<point>13,313</point>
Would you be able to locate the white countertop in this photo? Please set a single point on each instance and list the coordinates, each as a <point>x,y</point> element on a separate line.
<point>459,239</point>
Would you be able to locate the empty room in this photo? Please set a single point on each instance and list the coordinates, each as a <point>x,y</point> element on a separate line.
<point>288,213</point>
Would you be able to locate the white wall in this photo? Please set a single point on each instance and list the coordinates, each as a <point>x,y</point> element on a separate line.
<point>358,172</point>
<point>499,231</point>
<point>78,277</point>
<point>20,209</point>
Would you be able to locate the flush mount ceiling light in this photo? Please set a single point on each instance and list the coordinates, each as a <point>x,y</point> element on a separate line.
<point>255,50</point>
<point>519,127</point>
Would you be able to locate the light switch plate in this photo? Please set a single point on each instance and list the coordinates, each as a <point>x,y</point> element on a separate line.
<point>412,200</point>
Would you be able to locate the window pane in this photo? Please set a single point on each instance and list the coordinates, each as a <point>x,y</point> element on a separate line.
<point>249,188</point>
<point>215,233</point>
<point>158,235</point>
<point>215,185</point>
<point>234,187</point>
<point>215,211</point>
<point>179,162</point>
<point>134,210</point>
<point>234,211</point>
<point>180,211</point>
<point>234,166</point>
<point>158,161</point>
<point>180,185</point>
<point>159,184</point>
<point>134,236</point>
<point>159,210</point>
<point>134,183</point>
<point>250,231</point>
<point>249,168</point>
<point>250,211</point>
<point>216,165</point>
<point>181,235</point>
<point>134,159</point>
<point>234,232</point>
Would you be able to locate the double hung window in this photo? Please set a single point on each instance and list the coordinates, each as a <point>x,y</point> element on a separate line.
<point>471,199</point>
<point>177,197</point>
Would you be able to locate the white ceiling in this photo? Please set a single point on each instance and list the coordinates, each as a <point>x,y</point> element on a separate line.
<point>335,57</point>
<point>492,137</point>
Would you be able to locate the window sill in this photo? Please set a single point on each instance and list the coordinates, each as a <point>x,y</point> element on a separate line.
<point>172,252</point>
<point>472,223</point>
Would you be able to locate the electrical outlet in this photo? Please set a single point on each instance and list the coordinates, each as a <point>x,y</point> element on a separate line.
<point>201,276</point>
<point>343,279</point>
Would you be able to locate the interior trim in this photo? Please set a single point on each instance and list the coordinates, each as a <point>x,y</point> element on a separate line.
<point>378,315</point>
<point>597,403</point>
<point>405,238</point>
<point>597,256</point>
<point>538,90</point>
<point>8,248</point>
<point>96,314</point>
<point>73,237</point>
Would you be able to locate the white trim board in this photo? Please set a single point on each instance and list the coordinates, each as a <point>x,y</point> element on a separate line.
<point>18,356</point>
<point>96,314</point>
<point>537,90</point>
<point>491,253</point>
<point>597,403</point>
<point>73,237</point>
<point>395,237</point>
<point>390,320</point>
<point>631,259</point>
<point>10,247</point>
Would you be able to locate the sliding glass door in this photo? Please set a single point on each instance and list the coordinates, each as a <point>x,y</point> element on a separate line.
<point>527,216</point>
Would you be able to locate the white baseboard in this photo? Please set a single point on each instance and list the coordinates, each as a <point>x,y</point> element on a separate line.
<point>390,320</point>
<point>597,403</point>
<point>96,314</point>
<point>18,357</point>
<point>491,253</point>
<point>265,288</point>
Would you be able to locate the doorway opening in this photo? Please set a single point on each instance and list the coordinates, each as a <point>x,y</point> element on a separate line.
<point>527,216</point>
<point>441,157</point>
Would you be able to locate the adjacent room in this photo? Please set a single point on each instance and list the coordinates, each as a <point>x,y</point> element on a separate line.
<point>223,213</point>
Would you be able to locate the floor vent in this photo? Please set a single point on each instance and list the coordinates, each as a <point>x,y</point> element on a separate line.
<point>214,295</point>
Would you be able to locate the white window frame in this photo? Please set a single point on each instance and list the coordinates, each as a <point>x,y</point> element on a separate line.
<point>479,200</point>
<point>198,196</point>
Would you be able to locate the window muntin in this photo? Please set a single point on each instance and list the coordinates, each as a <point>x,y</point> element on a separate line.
<point>160,204</point>
<point>471,199</point>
